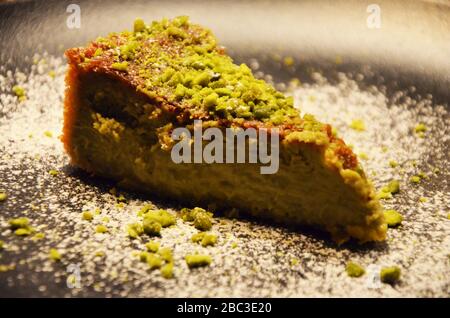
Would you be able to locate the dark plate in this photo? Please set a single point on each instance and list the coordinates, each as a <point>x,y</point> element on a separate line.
<point>400,72</point>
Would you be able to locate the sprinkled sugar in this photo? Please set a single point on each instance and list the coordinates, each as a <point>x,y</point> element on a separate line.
<point>249,259</point>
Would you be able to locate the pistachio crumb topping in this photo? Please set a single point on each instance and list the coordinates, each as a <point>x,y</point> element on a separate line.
<point>204,238</point>
<point>354,270</point>
<point>54,255</point>
<point>197,260</point>
<point>3,196</point>
<point>420,128</point>
<point>19,91</point>
<point>152,246</point>
<point>53,172</point>
<point>390,275</point>
<point>87,215</point>
<point>358,125</point>
<point>101,228</point>
<point>167,271</point>
<point>393,218</point>
<point>415,179</point>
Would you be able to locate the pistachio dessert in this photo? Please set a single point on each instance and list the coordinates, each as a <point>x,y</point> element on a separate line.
<point>127,92</point>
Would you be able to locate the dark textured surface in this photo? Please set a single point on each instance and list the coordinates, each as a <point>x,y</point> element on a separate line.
<point>404,60</point>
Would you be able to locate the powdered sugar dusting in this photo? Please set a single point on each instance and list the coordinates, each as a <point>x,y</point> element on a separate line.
<point>250,259</point>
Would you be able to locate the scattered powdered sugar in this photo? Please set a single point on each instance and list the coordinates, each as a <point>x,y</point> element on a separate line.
<point>250,259</point>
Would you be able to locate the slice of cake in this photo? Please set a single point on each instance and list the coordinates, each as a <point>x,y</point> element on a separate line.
<point>128,92</point>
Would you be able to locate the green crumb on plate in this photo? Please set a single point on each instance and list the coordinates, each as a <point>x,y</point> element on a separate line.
<point>101,228</point>
<point>139,25</point>
<point>393,218</point>
<point>151,227</point>
<point>53,172</point>
<point>19,223</point>
<point>414,179</point>
<point>3,196</point>
<point>393,163</point>
<point>167,271</point>
<point>120,66</point>
<point>354,269</point>
<point>392,187</point>
<point>54,255</point>
<point>87,216</point>
<point>288,61</point>
<point>198,260</point>
<point>38,236</point>
<point>163,217</point>
<point>152,246</point>
<point>166,254</point>
<point>358,125</point>
<point>143,256</point>
<point>19,91</point>
<point>390,275</point>
<point>363,156</point>
<point>420,128</point>
<point>154,261</point>
<point>23,232</point>
<point>134,230</point>
<point>206,239</point>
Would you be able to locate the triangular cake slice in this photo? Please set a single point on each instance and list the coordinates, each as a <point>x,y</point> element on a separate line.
<point>128,92</point>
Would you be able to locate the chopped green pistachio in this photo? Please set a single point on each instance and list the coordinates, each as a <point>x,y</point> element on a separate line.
<point>38,236</point>
<point>134,230</point>
<point>6,268</point>
<point>422,175</point>
<point>390,275</point>
<point>167,271</point>
<point>209,240</point>
<point>358,124</point>
<point>154,261</point>
<point>139,25</point>
<point>363,156</point>
<point>354,269</point>
<point>2,244</point>
<point>166,254</point>
<point>393,218</point>
<point>48,134</point>
<point>420,128</point>
<point>53,172</point>
<point>143,256</point>
<point>197,260</point>
<point>288,61</point>
<point>122,66</point>
<point>206,239</point>
<point>202,222</point>
<point>23,231</point>
<point>121,198</point>
<point>382,195</point>
<point>162,217</point>
<point>101,229</point>
<point>87,215</point>
<point>392,187</point>
<point>294,261</point>
<point>234,245</point>
<point>152,246</point>
<point>99,254</point>
<point>54,255</point>
<point>415,179</point>
<point>19,223</point>
<point>151,227</point>
<point>3,196</point>
<point>19,91</point>
<point>393,163</point>
<point>423,199</point>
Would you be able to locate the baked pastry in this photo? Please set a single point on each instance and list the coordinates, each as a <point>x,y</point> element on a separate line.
<point>128,92</point>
